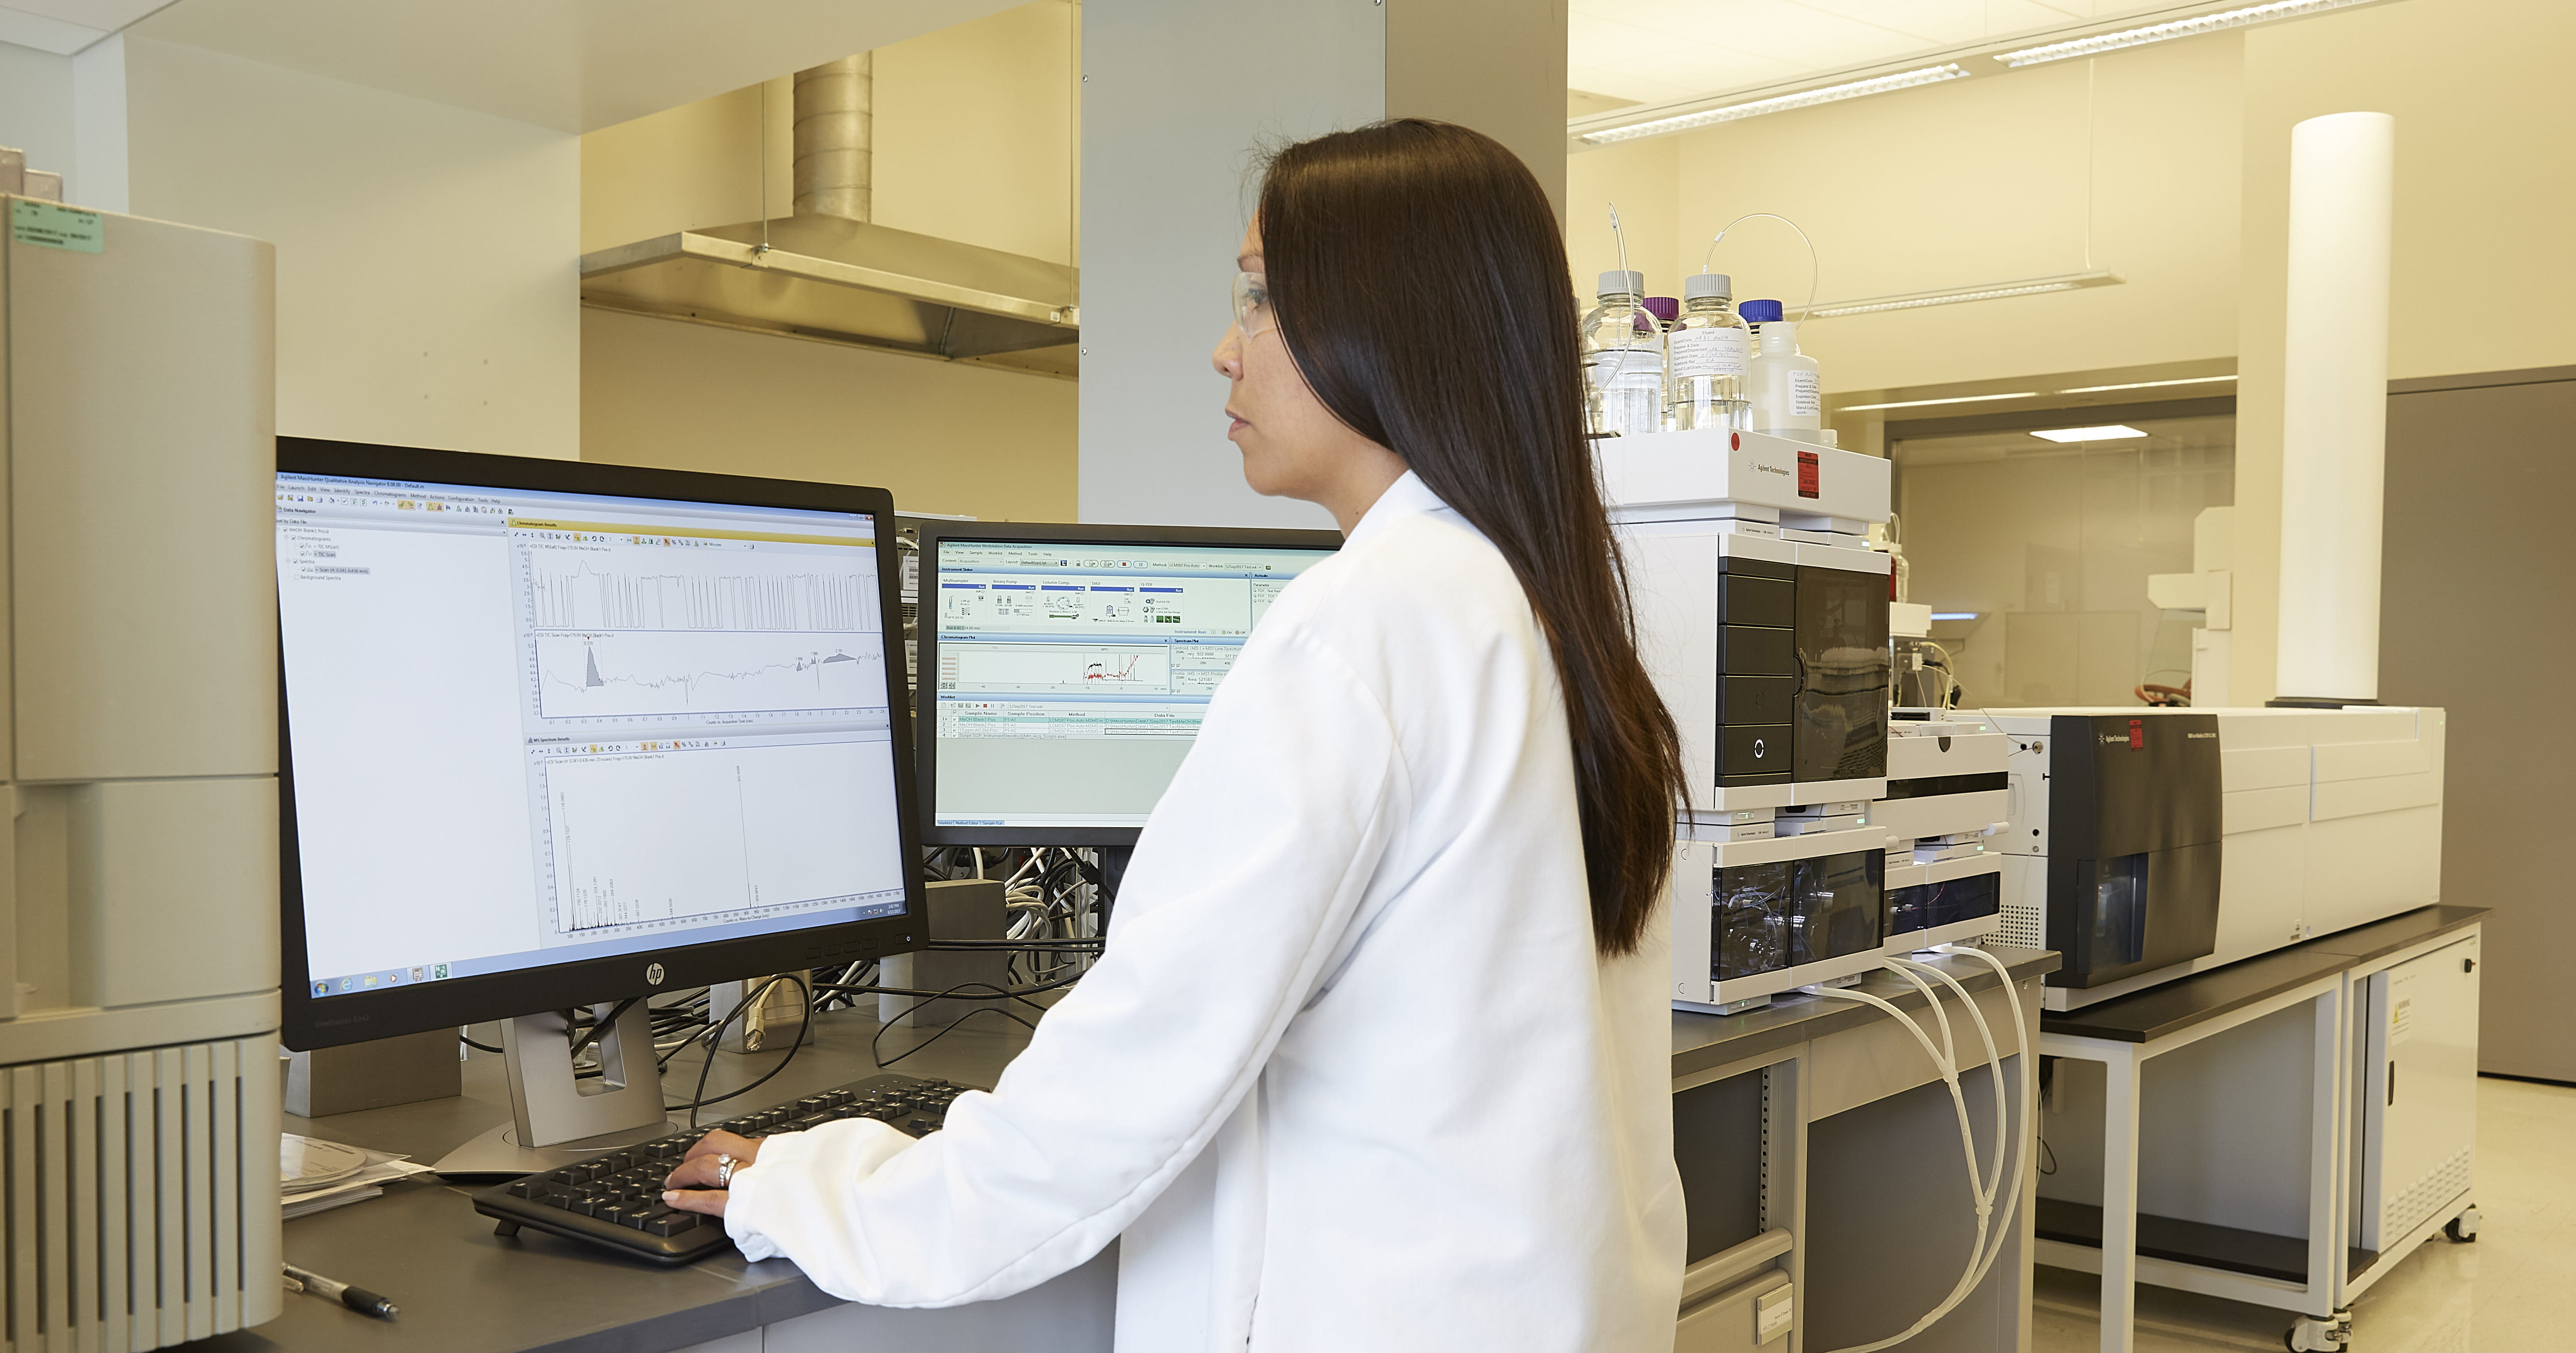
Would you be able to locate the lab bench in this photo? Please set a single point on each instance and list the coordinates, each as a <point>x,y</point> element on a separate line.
<point>1818,1152</point>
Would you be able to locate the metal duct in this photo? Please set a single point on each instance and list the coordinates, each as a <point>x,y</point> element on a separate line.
<point>834,122</point>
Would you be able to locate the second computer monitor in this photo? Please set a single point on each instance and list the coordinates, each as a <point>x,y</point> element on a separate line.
<point>1064,669</point>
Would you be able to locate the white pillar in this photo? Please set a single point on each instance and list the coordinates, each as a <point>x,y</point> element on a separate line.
<point>2335,406</point>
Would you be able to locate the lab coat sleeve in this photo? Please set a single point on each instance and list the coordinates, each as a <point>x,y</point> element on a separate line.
<point>1243,888</point>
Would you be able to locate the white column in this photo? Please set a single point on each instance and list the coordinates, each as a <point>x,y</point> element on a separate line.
<point>2335,406</point>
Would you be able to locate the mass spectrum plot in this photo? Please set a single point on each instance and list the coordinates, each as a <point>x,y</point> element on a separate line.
<point>652,588</point>
<point>1060,669</point>
<point>701,835</point>
<point>627,673</point>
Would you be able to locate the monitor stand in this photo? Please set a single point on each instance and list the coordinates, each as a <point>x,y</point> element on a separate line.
<point>555,1119</point>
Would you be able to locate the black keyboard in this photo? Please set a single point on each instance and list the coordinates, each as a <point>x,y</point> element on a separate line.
<point>615,1198</point>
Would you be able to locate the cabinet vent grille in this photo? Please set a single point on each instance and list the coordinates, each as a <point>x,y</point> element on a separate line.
<point>2439,1185</point>
<point>140,1197</point>
<point>2023,926</point>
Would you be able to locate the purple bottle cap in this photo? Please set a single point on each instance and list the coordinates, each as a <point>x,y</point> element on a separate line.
<point>1665,308</point>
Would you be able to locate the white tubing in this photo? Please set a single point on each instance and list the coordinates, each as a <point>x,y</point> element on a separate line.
<point>1967,1146</point>
<point>1994,1064</point>
<point>2021,1037</point>
<point>2334,405</point>
<point>1981,1258</point>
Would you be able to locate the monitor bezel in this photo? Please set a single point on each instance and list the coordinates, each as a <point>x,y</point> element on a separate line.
<point>935,534</point>
<point>310,1022</point>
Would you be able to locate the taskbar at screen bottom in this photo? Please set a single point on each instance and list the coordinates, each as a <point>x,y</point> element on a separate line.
<point>867,907</point>
<point>1087,821</point>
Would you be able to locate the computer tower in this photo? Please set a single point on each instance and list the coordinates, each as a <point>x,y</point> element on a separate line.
<point>138,897</point>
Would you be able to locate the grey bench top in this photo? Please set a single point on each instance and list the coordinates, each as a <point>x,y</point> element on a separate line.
<point>2160,1011</point>
<point>463,1289</point>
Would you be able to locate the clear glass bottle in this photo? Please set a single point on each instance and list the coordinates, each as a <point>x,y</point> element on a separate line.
<point>1623,360</point>
<point>1709,348</point>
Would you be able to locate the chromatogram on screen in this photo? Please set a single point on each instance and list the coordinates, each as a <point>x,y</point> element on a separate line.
<point>611,674</point>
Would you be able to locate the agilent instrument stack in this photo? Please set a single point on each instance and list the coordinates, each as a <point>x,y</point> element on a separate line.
<point>1816,835</point>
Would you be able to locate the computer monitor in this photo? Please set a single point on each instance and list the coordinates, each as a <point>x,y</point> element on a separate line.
<point>560,734</point>
<point>1064,669</point>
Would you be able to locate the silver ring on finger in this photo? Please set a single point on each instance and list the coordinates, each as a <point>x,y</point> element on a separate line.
<point>724,1171</point>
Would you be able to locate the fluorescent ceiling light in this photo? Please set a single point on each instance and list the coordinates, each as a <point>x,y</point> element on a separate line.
<point>1916,300</point>
<point>1954,615</point>
<point>1709,117</point>
<point>2111,433</point>
<point>2161,32</point>
<point>2145,385</point>
<point>1920,403</point>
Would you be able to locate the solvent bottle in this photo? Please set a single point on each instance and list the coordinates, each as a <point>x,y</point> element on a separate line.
<point>1709,348</point>
<point>1788,390</point>
<point>1623,360</point>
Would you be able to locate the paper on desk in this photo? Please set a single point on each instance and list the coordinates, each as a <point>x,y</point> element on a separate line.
<point>366,1182</point>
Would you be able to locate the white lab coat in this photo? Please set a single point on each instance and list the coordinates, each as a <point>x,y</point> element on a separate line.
<point>1351,1075</point>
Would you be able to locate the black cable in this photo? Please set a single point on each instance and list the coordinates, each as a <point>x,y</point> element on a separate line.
<point>599,1027</point>
<point>877,1053</point>
<point>699,1099</point>
<point>478,1047</point>
<point>1077,944</point>
<point>956,993</point>
<point>2048,1158</point>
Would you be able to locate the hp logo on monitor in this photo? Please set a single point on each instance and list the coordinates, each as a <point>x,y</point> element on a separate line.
<point>653,974</point>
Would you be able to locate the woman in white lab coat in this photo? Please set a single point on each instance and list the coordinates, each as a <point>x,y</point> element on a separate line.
<point>1377,1055</point>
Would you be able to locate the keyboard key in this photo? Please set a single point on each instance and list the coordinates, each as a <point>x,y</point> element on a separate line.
<point>676,1223</point>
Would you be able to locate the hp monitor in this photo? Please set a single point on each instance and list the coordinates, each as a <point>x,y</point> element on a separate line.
<point>1064,669</point>
<point>562,734</point>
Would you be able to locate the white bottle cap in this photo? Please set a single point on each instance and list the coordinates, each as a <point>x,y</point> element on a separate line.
<point>1699,286</point>
<point>1616,283</point>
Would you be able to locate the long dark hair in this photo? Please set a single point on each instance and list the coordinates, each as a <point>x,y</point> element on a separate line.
<point>1420,282</point>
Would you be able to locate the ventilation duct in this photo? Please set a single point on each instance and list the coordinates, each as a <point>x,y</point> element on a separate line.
<point>828,272</point>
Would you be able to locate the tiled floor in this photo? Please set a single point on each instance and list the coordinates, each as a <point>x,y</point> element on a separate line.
<point>2513,1290</point>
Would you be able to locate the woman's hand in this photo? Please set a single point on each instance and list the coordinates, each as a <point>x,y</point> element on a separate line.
<point>692,1186</point>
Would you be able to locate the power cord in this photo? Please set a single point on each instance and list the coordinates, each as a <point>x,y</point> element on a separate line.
<point>963,991</point>
<point>715,1035</point>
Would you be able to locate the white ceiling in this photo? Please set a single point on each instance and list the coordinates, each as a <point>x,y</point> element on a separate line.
<point>573,65</point>
<point>66,26</point>
<point>1655,51</point>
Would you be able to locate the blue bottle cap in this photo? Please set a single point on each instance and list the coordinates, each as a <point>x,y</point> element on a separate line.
<point>1759,312</point>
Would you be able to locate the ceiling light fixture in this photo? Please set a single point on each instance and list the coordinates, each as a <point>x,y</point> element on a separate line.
<point>1920,403</point>
<point>2162,32</point>
<point>2145,385</point>
<point>1709,117</point>
<point>1916,300</point>
<point>2113,432</point>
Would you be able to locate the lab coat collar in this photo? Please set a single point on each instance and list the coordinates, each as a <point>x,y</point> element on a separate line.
<point>1408,496</point>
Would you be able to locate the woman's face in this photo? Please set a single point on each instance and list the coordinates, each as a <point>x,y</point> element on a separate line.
<point>1293,447</point>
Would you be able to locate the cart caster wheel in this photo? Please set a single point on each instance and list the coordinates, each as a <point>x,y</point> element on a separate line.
<point>2463,1229</point>
<point>2320,1334</point>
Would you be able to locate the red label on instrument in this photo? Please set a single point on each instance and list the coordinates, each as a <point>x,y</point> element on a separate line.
<point>1809,476</point>
<point>2137,733</point>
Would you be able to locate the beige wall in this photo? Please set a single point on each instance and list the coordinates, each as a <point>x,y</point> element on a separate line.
<point>1978,181</point>
<point>976,132</point>
<point>2486,183</point>
<point>943,437</point>
<point>426,294</point>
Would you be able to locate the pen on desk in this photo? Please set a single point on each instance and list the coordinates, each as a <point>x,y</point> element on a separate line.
<point>357,1299</point>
